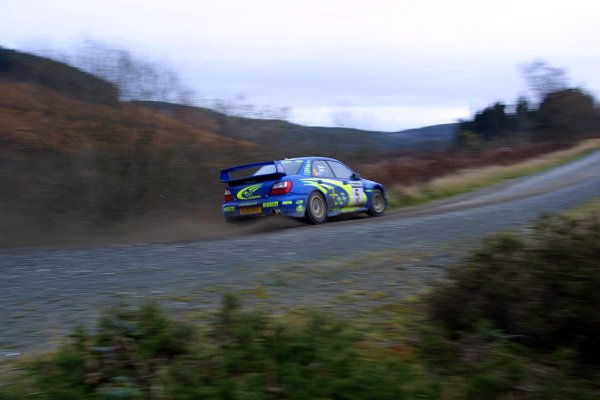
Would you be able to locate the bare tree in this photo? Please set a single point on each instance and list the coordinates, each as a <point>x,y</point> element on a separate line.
<point>239,107</point>
<point>544,79</point>
<point>343,116</point>
<point>238,118</point>
<point>136,77</point>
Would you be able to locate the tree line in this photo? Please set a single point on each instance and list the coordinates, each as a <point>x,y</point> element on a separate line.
<point>557,113</point>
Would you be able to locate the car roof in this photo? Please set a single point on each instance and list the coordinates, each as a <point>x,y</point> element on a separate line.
<point>309,158</point>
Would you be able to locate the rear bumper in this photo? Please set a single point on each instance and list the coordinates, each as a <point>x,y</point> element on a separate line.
<point>290,206</point>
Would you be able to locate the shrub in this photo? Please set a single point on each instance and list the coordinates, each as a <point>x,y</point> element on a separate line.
<point>122,360</point>
<point>543,290</point>
<point>141,354</point>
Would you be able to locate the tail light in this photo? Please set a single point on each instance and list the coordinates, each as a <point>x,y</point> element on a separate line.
<point>228,196</point>
<point>283,187</point>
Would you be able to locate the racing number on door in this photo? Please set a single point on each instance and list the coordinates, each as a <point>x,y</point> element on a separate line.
<point>358,195</point>
<point>354,190</point>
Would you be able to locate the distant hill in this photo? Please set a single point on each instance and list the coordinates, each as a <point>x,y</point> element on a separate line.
<point>291,138</point>
<point>434,136</point>
<point>23,67</point>
<point>429,136</point>
<point>277,138</point>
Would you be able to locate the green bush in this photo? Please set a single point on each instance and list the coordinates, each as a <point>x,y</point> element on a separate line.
<point>141,354</point>
<point>542,291</point>
<point>122,360</point>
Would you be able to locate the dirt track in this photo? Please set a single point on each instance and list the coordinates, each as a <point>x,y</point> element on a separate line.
<point>344,266</point>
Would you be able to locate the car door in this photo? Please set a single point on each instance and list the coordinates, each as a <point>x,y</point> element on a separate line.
<point>325,179</point>
<point>352,188</point>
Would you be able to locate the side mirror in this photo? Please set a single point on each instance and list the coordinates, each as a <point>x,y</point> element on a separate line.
<point>356,176</point>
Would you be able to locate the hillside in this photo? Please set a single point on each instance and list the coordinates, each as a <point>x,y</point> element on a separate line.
<point>75,158</point>
<point>438,136</point>
<point>68,160</point>
<point>38,118</point>
<point>40,95</point>
<point>23,67</point>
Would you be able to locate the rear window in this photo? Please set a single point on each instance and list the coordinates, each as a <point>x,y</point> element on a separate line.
<point>265,170</point>
<point>291,166</point>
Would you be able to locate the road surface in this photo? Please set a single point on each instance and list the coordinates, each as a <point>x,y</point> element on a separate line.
<point>342,267</point>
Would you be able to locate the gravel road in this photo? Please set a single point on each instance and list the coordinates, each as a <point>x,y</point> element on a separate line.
<point>343,267</point>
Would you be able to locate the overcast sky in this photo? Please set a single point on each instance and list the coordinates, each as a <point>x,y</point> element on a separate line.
<point>373,64</point>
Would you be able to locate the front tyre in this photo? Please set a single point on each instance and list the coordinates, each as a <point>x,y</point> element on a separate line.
<point>378,204</point>
<point>316,209</point>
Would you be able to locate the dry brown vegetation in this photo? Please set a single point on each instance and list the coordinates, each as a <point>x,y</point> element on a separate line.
<point>67,162</point>
<point>98,169</point>
<point>75,159</point>
<point>412,168</point>
<point>42,119</point>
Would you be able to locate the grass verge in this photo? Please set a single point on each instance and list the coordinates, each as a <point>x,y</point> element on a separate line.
<point>583,211</point>
<point>472,179</point>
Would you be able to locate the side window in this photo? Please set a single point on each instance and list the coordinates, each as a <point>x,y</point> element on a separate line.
<point>321,169</point>
<point>291,167</point>
<point>340,170</point>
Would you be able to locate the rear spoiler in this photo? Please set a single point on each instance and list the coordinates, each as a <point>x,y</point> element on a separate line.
<point>226,177</point>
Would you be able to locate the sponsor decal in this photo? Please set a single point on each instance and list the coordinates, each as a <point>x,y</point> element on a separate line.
<point>287,203</point>
<point>342,194</point>
<point>248,193</point>
<point>307,168</point>
<point>341,199</point>
<point>271,204</point>
<point>229,209</point>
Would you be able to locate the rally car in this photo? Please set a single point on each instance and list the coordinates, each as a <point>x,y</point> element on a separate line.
<point>313,188</point>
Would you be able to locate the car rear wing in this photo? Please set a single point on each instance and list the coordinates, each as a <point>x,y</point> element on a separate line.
<point>239,177</point>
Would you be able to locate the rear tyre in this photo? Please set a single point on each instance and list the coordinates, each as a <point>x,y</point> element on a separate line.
<point>378,204</point>
<point>316,209</point>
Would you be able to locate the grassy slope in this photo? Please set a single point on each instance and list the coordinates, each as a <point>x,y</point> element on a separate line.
<point>467,180</point>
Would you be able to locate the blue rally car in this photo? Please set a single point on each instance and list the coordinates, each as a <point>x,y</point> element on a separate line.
<point>313,188</point>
